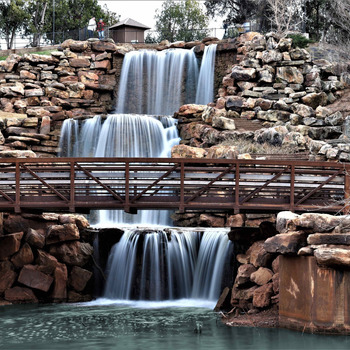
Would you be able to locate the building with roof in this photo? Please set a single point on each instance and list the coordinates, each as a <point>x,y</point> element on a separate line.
<point>128,31</point>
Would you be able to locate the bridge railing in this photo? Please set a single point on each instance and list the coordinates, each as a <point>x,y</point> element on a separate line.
<point>82,184</point>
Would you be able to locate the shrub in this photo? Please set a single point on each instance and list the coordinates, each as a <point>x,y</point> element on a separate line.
<point>300,41</point>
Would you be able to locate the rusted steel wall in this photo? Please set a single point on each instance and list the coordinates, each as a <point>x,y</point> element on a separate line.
<point>312,298</point>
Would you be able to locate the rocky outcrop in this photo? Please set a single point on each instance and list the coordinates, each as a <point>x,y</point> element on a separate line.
<point>274,96</point>
<point>47,262</point>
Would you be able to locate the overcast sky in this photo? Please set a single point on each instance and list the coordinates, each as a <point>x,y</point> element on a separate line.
<point>143,11</point>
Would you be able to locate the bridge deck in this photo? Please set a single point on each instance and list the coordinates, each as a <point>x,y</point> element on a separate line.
<point>82,184</point>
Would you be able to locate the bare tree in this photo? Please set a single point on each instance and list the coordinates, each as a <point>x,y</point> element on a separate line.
<point>286,15</point>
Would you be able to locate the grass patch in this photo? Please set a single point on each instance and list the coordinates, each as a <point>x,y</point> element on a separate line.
<point>44,52</point>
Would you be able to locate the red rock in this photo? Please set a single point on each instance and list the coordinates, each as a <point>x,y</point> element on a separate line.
<point>258,256</point>
<point>45,126</point>
<point>60,283</point>
<point>24,74</point>
<point>7,275</point>
<point>23,257</point>
<point>79,62</point>
<point>79,278</point>
<point>286,243</point>
<point>276,264</point>
<point>46,262</point>
<point>69,79</point>
<point>276,283</point>
<point>242,294</point>
<point>261,276</point>
<point>72,253</point>
<point>243,274</point>
<point>19,294</point>
<point>10,244</point>
<point>262,296</point>
<point>79,220</point>
<point>74,297</point>
<point>62,233</point>
<point>35,238</point>
<point>206,220</point>
<point>30,276</point>
<point>235,220</point>
<point>105,64</point>
<point>103,46</point>
<point>184,151</point>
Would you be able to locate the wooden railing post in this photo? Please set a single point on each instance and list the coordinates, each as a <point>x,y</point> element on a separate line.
<point>182,188</point>
<point>292,192</point>
<point>18,189</point>
<point>346,209</point>
<point>236,206</point>
<point>127,185</point>
<point>72,187</point>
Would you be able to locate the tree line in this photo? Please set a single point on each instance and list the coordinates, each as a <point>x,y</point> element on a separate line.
<point>32,18</point>
<point>326,20</point>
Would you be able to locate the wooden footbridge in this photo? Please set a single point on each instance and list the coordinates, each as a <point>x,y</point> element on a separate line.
<point>130,184</point>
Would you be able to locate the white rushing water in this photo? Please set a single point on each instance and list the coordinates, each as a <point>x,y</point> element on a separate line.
<point>152,83</point>
<point>121,135</point>
<point>171,265</point>
<point>205,85</point>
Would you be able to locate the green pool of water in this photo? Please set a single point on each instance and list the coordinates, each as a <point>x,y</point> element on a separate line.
<point>104,325</point>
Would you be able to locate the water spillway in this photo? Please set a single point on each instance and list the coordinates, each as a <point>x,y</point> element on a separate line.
<point>168,265</point>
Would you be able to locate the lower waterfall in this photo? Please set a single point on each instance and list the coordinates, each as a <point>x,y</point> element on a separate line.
<point>168,264</point>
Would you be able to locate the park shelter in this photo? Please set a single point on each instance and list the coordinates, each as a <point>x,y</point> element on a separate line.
<point>128,31</point>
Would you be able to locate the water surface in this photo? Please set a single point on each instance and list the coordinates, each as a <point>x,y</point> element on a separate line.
<point>116,325</point>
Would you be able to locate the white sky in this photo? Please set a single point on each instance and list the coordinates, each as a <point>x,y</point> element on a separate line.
<point>143,11</point>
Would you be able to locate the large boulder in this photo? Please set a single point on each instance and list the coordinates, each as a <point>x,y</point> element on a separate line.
<point>31,277</point>
<point>243,275</point>
<point>262,296</point>
<point>262,276</point>
<point>23,257</point>
<point>62,233</point>
<point>184,151</point>
<point>10,244</point>
<point>258,256</point>
<point>286,243</point>
<point>333,257</point>
<point>59,292</point>
<point>46,262</point>
<point>20,295</point>
<point>79,278</point>
<point>72,253</point>
<point>7,275</point>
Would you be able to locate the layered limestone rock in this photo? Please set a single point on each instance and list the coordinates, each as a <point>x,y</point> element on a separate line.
<point>49,260</point>
<point>276,96</point>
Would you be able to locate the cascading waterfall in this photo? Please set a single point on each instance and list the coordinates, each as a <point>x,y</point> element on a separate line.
<point>121,135</point>
<point>170,265</point>
<point>205,90</point>
<point>157,83</point>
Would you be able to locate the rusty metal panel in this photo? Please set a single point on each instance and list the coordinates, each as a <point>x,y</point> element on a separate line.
<point>312,298</point>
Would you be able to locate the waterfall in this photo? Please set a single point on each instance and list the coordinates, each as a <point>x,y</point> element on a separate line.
<point>170,265</point>
<point>157,83</point>
<point>121,135</point>
<point>205,86</point>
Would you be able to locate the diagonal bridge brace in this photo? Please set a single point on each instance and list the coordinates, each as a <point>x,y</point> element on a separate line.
<point>207,186</point>
<point>319,187</point>
<point>44,182</point>
<point>258,189</point>
<point>108,189</point>
<point>154,183</point>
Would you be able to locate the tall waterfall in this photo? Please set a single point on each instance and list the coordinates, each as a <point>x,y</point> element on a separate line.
<point>168,265</point>
<point>205,86</point>
<point>158,83</point>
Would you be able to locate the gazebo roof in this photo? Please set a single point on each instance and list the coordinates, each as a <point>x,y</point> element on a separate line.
<point>130,23</point>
